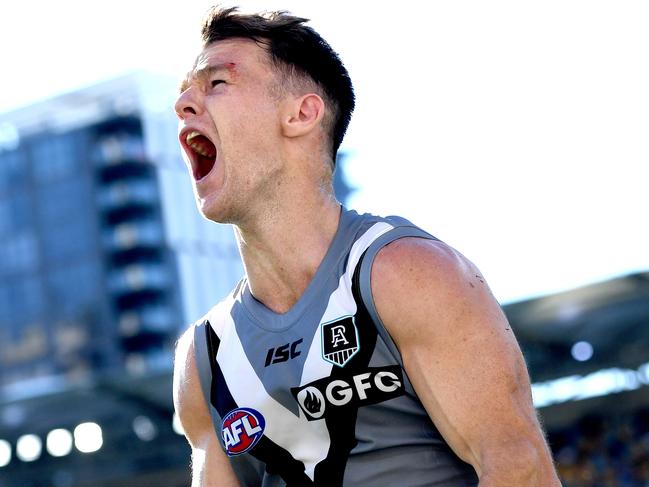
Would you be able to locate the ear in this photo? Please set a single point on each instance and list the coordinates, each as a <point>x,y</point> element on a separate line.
<point>303,115</point>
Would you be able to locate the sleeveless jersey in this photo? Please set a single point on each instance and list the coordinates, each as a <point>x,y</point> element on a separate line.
<point>318,396</point>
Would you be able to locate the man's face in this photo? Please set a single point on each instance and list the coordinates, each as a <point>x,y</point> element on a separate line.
<point>230,129</point>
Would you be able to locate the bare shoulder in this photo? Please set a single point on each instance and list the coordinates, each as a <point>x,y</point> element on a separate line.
<point>210,466</point>
<point>418,258</point>
<point>463,360</point>
<point>187,393</point>
<point>435,251</point>
<point>411,276</point>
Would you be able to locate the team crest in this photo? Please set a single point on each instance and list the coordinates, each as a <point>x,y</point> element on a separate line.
<point>242,428</point>
<point>339,340</point>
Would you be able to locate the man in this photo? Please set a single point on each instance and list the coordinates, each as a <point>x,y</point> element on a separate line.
<point>357,350</point>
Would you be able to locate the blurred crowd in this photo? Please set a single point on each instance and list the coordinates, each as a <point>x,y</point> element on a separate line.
<point>604,451</point>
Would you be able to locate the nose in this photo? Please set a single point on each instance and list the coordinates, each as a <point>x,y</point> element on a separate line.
<point>187,104</point>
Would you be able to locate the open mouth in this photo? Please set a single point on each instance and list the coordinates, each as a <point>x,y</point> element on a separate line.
<point>202,152</point>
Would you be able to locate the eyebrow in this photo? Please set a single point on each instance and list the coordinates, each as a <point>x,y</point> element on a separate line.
<point>205,72</point>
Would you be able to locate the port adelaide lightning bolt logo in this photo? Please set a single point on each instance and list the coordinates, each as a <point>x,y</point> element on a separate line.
<point>339,340</point>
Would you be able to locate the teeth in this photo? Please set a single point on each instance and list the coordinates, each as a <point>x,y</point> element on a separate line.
<point>197,146</point>
<point>191,135</point>
<point>201,150</point>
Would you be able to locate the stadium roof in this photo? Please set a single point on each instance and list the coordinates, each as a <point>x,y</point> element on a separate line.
<point>612,316</point>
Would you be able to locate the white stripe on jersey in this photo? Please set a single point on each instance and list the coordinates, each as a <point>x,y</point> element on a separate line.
<point>307,441</point>
<point>341,303</point>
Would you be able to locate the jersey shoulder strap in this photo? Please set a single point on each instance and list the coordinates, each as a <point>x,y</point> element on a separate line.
<point>402,228</point>
<point>205,348</point>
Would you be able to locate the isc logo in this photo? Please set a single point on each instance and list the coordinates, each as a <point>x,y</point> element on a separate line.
<point>242,428</point>
<point>283,353</point>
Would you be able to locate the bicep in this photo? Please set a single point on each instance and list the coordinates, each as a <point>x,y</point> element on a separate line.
<point>457,347</point>
<point>474,386</point>
<point>210,466</point>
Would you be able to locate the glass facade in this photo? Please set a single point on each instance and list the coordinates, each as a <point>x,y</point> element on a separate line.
<point>13,170</point>
<point>61,194</point>
<point>104,258</point>
<point>45,229</point>
<point>55,157</point>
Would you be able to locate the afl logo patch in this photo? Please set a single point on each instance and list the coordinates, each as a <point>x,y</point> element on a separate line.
<point>339,340</point>
<point>242,428</point>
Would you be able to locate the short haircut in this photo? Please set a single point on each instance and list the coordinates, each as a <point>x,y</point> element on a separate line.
<point>297,51</point>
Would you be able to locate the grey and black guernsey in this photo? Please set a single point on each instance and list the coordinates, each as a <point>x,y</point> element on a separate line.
<point>318,396</point>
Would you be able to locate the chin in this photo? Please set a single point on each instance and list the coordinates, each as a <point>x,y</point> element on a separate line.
<point>214,210</point>
<point>211,213</point>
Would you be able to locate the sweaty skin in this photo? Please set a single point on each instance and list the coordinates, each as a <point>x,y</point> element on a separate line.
<point>272,180</point>
<point>210,466</point>
<point>463,360</point>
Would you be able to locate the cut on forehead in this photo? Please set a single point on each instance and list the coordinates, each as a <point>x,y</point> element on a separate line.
<point>229,55</point>
<point>205,71</point>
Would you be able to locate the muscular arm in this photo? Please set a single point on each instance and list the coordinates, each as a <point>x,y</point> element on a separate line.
<point>463,361</point>
<point>210,467</point>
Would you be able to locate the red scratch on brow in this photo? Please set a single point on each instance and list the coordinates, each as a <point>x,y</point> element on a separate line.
<point>232,69</point>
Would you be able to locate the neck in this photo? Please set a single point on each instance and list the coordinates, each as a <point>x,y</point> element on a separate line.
<point>282,250</point>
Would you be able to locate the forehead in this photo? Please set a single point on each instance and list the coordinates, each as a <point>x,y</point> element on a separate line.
<point>240,55</point>
<point>237,47</point>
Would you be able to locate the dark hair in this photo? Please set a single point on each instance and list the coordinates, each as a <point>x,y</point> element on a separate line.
<point>295,46</point>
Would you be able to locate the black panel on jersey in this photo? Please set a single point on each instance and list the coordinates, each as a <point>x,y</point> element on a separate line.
<point>342,423</point>
<point>278,460</point>
<point>220,397</point>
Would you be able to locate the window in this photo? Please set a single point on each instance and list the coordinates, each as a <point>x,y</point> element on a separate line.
<point>53,157</point>
<point>18,253</point>
<point>13,170</point>
<point>69,239</point>
<point>15,215</point>
<point>29,301</point>
<point>21,301</point>
<point>65,200</point>
<point>75,287</point>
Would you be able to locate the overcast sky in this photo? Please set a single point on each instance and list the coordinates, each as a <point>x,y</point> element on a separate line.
<point>516,131</point>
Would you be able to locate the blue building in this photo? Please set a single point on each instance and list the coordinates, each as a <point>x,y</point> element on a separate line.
<point>104,259</point>
<point>103,255</point>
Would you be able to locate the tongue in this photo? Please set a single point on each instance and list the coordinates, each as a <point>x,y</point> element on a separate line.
<point>205,145</point>
<point>205,165</point>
